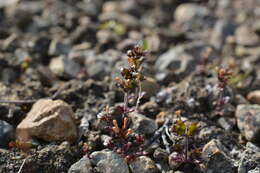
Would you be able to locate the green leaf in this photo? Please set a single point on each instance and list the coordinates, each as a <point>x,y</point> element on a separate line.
<point>116,27</point>
<point>119,29</point>
<point>180,127</point>
<point>238,78</point>
<point>192,129</point>
<point>145,45</point>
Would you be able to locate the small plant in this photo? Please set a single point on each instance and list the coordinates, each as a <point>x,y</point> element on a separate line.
<point>186,132</point>
<point>224,76</point>
<point>131,79</point>
<point>122,139</point>
<point>114,26</point>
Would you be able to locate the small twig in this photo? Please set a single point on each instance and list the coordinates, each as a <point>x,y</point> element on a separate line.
<point>9,40</point>
<point>168,134</point>
<point>54,96</point>
<point>17,101</point>
<point>166,143</point>
<point>157,134</point>
<point>20,170</point>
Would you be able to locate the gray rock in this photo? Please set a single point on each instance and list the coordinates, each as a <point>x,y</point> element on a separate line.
<point>180,60</point>
<point>110,6</point>
<point>217,158</point>
<point>150,87</point>
<point>4,3</point>
<point>209,132</point>
<point>123,18</point>
<point>9,75</point>
<point>256,27</point>
<point>64,67</point>
<point>130,7</point>
<point>160,154</point>
<point>256,170</point>
<point>81,166</point>
<point>245,36</point>
<point>188,12</point>
<point>90,8</point>
<point>175,59</point>
<point>221,30</point>
<point>142,125</point>
<point>248,121</point>
<point>143,164</point>
<point>107,161</point>
<point>150,109</point>
<point>106,36</point>
<point>226,123</point>
<point>99,66</point>
<point>57,48</point>
<point>7,133</point>
<point>250,159</point>
<point>172,163</point>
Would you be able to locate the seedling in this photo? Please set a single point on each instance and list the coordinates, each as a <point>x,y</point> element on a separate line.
<point>186,131</point>
<point>132,76</point>
<point>123,140</point>
<point>114,26</point>
<point>224,75</point>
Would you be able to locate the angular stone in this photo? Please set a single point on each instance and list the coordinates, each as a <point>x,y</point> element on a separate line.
<point>254,97</point>
<point>187,12</point>
<point>248,121</point>
<point>160,154</point>
<point>6,133</point>
<point>172,163</point>
<point>245,36</point>
<point>142,124</point>
<point>250,159</point>
<point>81,166</point>
<point>217,159</point>
<point>150,87</point>
<point>143,164</point>
<point>180,60</point>
<point>107,161</point>
<point>101,65</point>
<point>4,3</point>
<point>64,67</point>
<point>48,120</point>
<point>221,31</point>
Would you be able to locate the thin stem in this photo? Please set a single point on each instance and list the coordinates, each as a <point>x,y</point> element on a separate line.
<point>17,101</point>
<point>166,143</point>
<point>157,134</point>
<point>139,96</point>
<point>219,105</point>
<point>54,96</point>
<point>186,146</point>
<point>20,170</point>
<point>125,102</point>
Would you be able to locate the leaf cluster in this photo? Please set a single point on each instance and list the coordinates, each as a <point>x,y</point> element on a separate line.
<point>114,26</point>
<point>182,128</point>
<point>131,76</point>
